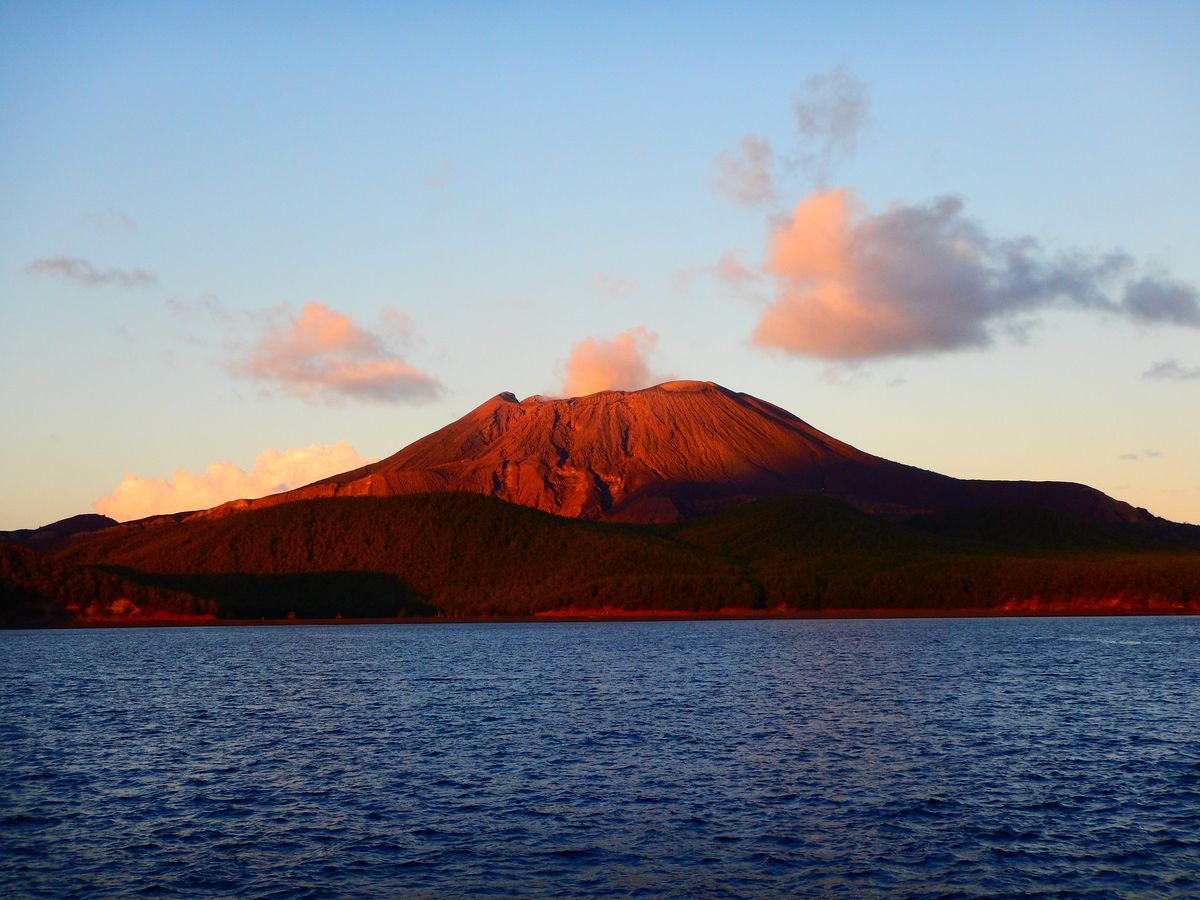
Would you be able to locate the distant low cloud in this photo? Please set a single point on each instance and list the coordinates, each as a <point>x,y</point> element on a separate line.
<point>83,272</point>
<point>1171,370</point>
<point>617,363</point>
<point>273,471</point>
<point>324,354</point>
<point>1145,454</point>
<point>745,175</point>
<point>926,278</point>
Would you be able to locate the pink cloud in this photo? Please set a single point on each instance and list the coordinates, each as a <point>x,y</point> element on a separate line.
<point>925,278</point>
<point>737,277</point>
<point>273,471</point>
<point>617,363</point>
<point>731,270</point>
<point>325,353</point>
<point>731,273</point>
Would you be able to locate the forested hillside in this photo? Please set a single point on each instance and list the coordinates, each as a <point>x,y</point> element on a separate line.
<point>469,555</point>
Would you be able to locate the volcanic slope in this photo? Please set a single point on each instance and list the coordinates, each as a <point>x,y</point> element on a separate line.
<point>670,452</point>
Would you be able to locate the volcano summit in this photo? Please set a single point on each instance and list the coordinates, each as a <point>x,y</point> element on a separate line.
<point>671,452</point>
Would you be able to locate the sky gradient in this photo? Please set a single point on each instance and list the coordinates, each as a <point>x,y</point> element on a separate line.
<point>244,246</point>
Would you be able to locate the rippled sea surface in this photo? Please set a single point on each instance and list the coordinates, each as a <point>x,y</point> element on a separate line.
<point>723,759</point>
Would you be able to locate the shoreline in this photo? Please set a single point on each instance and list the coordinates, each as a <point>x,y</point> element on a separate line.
<point>624,616</point>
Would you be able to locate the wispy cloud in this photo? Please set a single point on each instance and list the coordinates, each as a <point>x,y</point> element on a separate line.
<point>442,178</point>
<point>1171,370</point>
<point>615,286</point>
<point>207,306</point>
<point>1145,454</point>
<point>112,219</point>
<point>732,273</point>
<point>736,276</point>
<point>617,363</point>
<point>83,272</point>
<point>831,113</point>
<point>745,175</point>
<point>273,471</point>
<point>324,354</point>
<point>926,278</point>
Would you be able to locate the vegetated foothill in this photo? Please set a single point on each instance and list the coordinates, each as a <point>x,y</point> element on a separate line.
<point>469,555</point>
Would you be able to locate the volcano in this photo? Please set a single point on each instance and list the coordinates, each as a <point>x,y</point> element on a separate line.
<point>671,452</point>
<point>733,505</point>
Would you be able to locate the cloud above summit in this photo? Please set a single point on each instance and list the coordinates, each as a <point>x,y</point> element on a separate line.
<point>323,354</point>
<point>926,278</point>
<point>616,363</point>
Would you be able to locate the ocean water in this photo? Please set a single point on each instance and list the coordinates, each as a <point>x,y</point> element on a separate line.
<point>711,759</point>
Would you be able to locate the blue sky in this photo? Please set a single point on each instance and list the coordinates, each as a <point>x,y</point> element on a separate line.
<point>478,188</point>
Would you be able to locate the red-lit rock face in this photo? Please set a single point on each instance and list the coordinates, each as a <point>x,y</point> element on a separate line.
<point>663,453</point>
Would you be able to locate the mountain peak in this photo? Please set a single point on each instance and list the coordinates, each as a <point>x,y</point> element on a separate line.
<point>667,452</point>
<point>685,386</point>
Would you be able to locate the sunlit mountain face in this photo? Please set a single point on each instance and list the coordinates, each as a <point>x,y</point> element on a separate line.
<point>670,452</point>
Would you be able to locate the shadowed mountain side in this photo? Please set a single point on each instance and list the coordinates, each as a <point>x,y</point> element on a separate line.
<point>812,553</point>
<point>304,595</point>
<point>1035,529</point>
<point>463,554</point>
<point>671,452</point>
<point>41,590</point>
